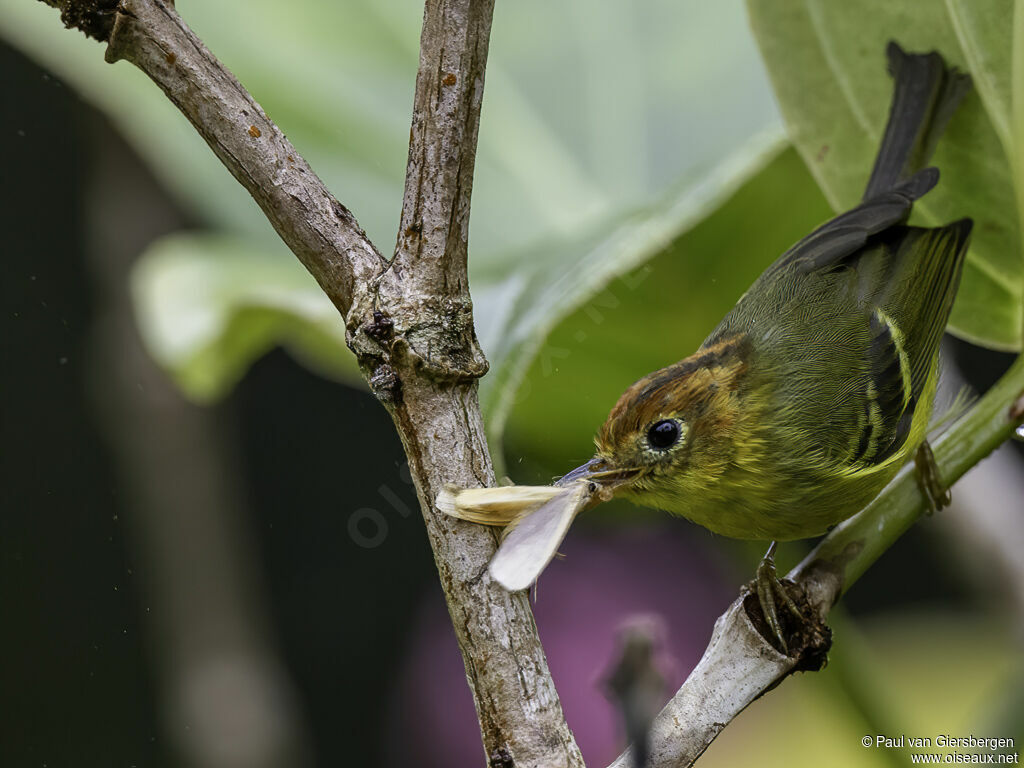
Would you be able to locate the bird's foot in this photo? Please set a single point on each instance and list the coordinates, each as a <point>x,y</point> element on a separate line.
<point>935,492</point>
<point>770,592</point>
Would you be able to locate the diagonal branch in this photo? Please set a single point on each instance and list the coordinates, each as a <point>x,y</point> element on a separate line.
<point>739,665</point>
<point>317,228</point>
<point>408,319</point>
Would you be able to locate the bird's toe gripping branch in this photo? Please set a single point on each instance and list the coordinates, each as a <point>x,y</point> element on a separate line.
<point>935,492</point>
<point>796,631</point>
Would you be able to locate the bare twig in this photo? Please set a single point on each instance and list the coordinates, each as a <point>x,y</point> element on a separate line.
<point>739,665</point>
<point>409,320</point>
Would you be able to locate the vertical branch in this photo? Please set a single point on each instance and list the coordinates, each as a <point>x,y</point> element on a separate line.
<point>442,141</point>
<point>416,343</point>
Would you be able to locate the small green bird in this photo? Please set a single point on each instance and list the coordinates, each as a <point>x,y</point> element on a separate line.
<point>810,394</point>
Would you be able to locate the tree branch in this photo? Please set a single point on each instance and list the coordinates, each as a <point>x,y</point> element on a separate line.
<point>409,320</point>
<point>317,228</point>
<point>415,341</point>
<point>739,665</point>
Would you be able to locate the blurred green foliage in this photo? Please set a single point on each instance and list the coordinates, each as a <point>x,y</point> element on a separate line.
<point>606,138</point>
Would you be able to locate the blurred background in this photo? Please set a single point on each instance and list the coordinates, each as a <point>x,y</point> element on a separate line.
<point>210,552</point>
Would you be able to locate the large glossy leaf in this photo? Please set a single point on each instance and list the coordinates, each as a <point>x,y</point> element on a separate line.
<point>592,113</point>
<point>827,64</point>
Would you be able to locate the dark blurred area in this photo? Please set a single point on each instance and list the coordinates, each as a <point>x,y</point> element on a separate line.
<point>249,583</point>
<point>82,568</point>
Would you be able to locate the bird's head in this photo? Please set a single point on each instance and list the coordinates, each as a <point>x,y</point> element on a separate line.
<point>670,434</point>
<point>672,431</point>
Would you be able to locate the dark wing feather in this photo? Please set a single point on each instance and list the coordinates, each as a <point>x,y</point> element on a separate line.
<point>909,311</point>
<point>848,233</point>
<point>919,296</point>
<point>885,401</point>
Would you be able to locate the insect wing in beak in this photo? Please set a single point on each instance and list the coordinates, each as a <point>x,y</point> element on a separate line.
<point>494,506</point>
<point>530,543</point>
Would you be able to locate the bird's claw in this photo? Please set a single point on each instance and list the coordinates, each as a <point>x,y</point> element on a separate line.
<point>935,492</point>
<point>769,587</point>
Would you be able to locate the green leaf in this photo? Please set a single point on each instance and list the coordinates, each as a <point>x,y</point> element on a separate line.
<point>208,305</point>
<point>827,64</point>
<point>653,316</point>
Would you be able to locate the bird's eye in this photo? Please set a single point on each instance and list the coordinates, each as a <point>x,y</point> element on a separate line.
<point>663,434</point>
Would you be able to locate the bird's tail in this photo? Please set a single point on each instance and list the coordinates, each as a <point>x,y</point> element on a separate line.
<point>925,96</point>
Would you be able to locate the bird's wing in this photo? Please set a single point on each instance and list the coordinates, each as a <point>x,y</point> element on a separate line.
<point>888,402</point>
<point>847,234</point>
<point>849,337</point>
<point>887,305</point>
<point>910,309</point>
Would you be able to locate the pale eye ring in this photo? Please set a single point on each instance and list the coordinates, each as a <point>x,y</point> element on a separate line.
<point>662,435</point>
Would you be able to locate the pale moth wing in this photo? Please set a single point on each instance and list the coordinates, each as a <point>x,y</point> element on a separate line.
<point>530,543</point>
<point>494,506</point>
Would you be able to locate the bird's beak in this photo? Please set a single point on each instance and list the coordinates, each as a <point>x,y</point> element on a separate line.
<point>601,472</point>
<point>583,472</point>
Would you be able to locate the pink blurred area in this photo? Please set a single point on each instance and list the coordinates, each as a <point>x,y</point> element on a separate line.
<point>606,578</point>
